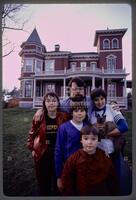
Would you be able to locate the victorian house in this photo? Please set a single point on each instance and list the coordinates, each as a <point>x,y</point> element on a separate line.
<point>43,71</point>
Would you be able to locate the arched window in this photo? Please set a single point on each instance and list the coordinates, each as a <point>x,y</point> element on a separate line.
<point>111,63</point>
<point>106,44</point>
<point>115,43</point>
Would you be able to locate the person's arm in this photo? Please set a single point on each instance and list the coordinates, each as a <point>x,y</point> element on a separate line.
<point>32,134</point>
<point>38,115</point>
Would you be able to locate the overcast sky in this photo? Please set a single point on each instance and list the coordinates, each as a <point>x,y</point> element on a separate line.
<point>72,26</point>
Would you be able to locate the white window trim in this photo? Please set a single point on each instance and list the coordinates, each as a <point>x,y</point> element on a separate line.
<point>30,65</point>
<point>24,84</point>
<point>92,65</point>
<point>106,39</point>
<point>83,66</point>
<point>52,84</point>
<point>113,57</point>
<point>110,90</point>
<point>53,63</point>
<point>73,66</point>
<point>37,64</point>
<point>117,43</point>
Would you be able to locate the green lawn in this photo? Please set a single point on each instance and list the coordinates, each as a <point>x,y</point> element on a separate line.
<point>18,166</point>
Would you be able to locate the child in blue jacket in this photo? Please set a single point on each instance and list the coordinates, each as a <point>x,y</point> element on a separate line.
<point>68,136</point>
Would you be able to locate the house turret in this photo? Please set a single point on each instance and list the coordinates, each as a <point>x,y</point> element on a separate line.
<point>33,56</point>
<point>109,47</point>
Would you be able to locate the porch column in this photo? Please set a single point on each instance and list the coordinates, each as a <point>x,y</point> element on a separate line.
<point>34,91</point>
<point>93,82</point>
<point>64,88</point>
<point>41,89</point>
<point>103,83</point>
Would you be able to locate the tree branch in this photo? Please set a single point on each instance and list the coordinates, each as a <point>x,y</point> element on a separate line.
<point>8,53</point>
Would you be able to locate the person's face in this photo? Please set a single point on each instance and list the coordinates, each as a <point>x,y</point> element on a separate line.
<point>51,104</point>
<point>75,90</point>
<point>89,143</point>
<point>79,115</point>
<point>99,102</point>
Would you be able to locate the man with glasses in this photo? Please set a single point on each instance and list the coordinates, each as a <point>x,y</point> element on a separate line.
<point>77,87</point>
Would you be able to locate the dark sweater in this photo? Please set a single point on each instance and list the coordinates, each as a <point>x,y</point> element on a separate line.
<point>86,175</point>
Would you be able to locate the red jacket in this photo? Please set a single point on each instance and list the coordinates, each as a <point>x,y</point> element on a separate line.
<point>89,175</point>
<point>37,135</point>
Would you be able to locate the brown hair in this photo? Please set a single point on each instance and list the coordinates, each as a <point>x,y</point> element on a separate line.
<point>52,94</point>
<point>79,82</point>
<point>97,93</point>
<point>90,129</point>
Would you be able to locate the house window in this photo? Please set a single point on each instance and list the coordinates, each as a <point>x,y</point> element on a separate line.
<point>106,44</point>
<point>111,63</point>
<point>115,43</point>
<point>73,66</point>
<point>93,66</point>
<point>83,66</point>
<point>111,90</point>
<point>39,49</point>
<point>38,66</point>
<point>28,88</point>
<point>49,65</point>
<point>50,87</point>
<point>28,65</point>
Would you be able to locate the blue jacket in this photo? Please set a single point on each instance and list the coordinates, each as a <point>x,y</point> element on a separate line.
<point>68,141</point>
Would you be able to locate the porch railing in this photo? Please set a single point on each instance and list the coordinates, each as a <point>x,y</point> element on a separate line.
<point>122,101</point>
<point>86,70</point>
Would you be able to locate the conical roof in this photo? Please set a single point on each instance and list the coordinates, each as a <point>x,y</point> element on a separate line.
<point>34,37</point>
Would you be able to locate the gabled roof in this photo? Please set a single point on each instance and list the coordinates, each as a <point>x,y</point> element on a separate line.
<point>108,31</point>
<point>34,37</point>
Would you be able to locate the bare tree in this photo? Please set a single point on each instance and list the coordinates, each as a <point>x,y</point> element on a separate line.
<point>11,20</point>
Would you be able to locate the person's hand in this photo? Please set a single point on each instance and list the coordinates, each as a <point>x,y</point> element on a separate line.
<point>33,153</point>
<point>59,184</point>
<point>106,153</point>
<point>37,116</point>
<point>114,106</point>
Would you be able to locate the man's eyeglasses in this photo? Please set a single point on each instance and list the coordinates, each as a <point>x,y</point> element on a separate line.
<point>77,89</point>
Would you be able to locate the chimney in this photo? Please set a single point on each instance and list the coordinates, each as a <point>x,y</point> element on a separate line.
<point>57,47</point>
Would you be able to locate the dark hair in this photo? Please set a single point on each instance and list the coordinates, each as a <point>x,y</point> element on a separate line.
<point>77,102</point>
<point>52,94</point>
<point>97,93</point>
<point>90,129</point>
<point>79,82</point>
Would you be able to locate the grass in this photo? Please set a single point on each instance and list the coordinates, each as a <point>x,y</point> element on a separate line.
<point>18,166</point>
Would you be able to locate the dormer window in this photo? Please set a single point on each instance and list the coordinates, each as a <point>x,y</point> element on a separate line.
<point>106,44</point>
<point>115,43</point>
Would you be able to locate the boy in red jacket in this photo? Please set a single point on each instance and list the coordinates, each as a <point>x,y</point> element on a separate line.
<point>89,172</point>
